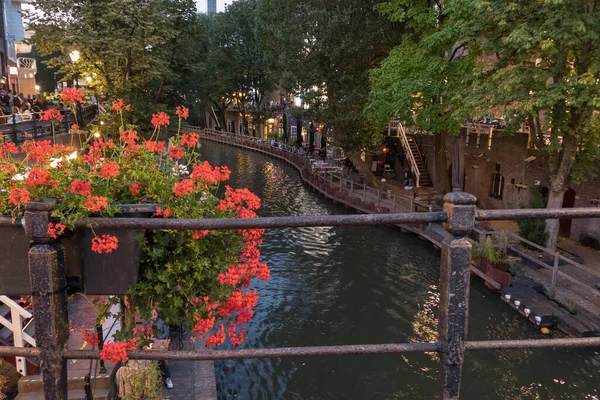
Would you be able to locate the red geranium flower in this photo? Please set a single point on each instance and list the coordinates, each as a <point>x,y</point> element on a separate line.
<point>18,196</point>
<point>90,340</point>
<point>105,244</point>
<point>96,203</point>
<point>157,147</point>
<point>182,112</point>
<point>55,229</point>
<point>160,119</point>
<point>119,104</point>
<point>200,234</point>
<point>72,94</point>
<point>38,177</point>
<point>184,187</point>
<point>81,187</point>
<point>116,352</point>
<point>176,152</point>
<point>190,139</point>
<point>110,169</point>
<point>51,115</point>
<point>136,188</point>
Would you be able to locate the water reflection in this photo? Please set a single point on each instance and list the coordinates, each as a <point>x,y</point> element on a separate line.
<point>370,285</point>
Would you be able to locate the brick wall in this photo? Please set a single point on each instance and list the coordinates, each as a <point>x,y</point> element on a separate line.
<point>509,153</point>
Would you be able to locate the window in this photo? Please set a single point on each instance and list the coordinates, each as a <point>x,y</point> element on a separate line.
<point>497,184</point>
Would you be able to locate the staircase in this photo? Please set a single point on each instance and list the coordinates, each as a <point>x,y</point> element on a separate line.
<point>17,328</point>
<point>424,178</point>
<point>414,157</point>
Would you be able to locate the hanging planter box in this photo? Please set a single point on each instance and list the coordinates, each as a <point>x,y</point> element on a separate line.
<point>97,274</point>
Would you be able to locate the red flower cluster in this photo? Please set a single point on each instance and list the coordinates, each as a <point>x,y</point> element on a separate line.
<point>81,187</point>
<point>96,203</point>
<point>129,136</point>
<point>76,128</point>
<point>176,152</point>
<point>118,105</point>
<point>216,339</point>
<point>237,338</point>
<point>18,196</point>
<point>51,115</point>
<point>207,175</point>
<point>55,229</point>
<point>72,94</point>
<point>184,187</point>
<point>241,200</point>
<point>40,152</point>
<point>200,234</point>
<point>37,177</point>
<point>182,112</point>
<point>160,119</point>
<point>105,244</point>
<point>190,139</point>
<point>136,188</point>
<point>202,326</point>
<point>110,169</point>
<point>166,213</point>
<point>90,339</point>
<point>157,147</point>
<point>8,148</point>
<point>116,352</point>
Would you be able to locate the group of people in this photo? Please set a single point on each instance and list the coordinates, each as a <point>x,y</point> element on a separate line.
<point>17,108</point>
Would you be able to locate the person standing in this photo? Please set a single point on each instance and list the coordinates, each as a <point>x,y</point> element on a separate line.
<point>163,334</point>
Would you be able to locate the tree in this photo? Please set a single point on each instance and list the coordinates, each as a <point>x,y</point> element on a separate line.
<point>322,52</point>
<point>130,46</point>
<point>235,60</point>
<point>535,59</point>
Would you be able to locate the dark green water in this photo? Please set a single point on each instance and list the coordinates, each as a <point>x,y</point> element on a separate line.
<point>371,285</point>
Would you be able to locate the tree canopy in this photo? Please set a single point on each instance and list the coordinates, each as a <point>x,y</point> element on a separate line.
<point>537,60</point>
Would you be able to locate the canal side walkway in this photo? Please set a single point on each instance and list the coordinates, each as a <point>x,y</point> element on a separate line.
<point>529,297</point>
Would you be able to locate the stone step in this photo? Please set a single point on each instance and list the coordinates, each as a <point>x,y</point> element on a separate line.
<point>75,382</point>
<point>99,394</point>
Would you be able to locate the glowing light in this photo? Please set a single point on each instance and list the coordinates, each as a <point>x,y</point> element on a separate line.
<point>74,56</point>
<point>96,134</point>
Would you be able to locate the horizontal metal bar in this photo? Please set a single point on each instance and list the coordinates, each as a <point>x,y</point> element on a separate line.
<point>534,343</point>
<point>265,353</point>
<point>592,342</point>
<point>537,213</point>
<point>29,352</point>
<point>271,222</point>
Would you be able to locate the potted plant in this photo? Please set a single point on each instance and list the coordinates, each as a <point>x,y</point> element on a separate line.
<point>489,253</point>
<point>194,278</point>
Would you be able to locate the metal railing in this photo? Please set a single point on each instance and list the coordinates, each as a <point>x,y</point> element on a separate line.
<point>28,125</point>
<point>588,276</point>
<point>459,216</point>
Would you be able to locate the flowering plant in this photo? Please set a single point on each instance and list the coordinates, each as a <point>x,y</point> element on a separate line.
<point>198,279</point>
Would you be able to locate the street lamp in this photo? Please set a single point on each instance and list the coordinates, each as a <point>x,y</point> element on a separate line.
<point>37,89</point>
<point>75,57</point>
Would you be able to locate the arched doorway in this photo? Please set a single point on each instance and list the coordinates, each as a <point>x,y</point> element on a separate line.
<point>565,224</point>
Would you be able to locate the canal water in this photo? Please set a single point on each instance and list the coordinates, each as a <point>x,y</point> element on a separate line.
<point>370,285</point>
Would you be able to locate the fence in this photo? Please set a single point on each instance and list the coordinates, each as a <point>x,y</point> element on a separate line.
<point>578,279</point>
<point>458,215</point>
<point>25,126</point>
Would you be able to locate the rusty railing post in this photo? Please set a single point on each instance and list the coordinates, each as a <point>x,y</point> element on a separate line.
<point>48,289</point>
<point>454,290</point>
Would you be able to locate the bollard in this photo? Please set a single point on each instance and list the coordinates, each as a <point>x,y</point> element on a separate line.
<point>454,290</point>
<point>48,290</point>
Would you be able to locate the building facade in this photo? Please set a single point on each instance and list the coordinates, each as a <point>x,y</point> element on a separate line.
<point>211,6</point>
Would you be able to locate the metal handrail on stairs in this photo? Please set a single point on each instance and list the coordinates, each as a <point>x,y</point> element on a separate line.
<point>409,155</point>
<point>20,337</point>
